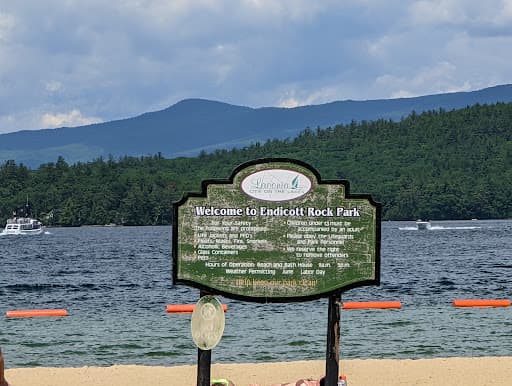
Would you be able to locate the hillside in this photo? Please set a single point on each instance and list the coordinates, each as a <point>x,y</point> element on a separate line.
<point>438,164</point>
<point>192,125</point>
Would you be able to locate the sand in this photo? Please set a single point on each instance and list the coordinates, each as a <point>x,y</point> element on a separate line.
<point>359,372</point>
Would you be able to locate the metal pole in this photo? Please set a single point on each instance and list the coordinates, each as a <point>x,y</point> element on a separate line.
<point>332,359</point>
<point>204,360</point>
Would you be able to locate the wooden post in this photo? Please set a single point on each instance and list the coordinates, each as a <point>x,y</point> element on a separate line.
<point>204,361</point>
<point>332,359</point>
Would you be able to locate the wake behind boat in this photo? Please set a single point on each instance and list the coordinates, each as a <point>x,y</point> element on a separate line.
<point>24,224</point>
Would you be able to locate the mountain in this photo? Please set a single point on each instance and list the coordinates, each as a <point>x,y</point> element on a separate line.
<point>192,125</point>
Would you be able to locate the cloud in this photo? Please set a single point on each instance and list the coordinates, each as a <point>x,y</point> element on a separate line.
<point>295,96</point>
<point>53,86</point>
<point>111,60</point>
<point>7,24</point>
<point>7,121</point>
<point>439,78</point>
<point>71,118</point>
<point>473,16</point>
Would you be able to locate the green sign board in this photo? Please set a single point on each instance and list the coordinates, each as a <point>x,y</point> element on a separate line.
<point>276,232</point>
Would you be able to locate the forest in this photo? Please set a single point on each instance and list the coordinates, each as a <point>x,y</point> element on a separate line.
<point>437,165</point>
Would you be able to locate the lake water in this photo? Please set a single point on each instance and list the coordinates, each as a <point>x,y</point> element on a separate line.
<point>116,282</point>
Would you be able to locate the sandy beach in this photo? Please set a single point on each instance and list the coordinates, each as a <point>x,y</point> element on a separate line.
<point>369,372</point>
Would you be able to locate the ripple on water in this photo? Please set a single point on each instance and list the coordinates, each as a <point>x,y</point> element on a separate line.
<point>115,283</point>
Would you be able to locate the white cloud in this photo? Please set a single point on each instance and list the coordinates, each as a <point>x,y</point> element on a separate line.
<point>7,24</point>
<point>439,78</point>
<point>380,47</point>
<point>439,11</point>
<point>468,14</point>
<point>7,121</point>
<point>295,96</point>
<point>69,119</point>
<point>53,86</point>
<point>292,10</point>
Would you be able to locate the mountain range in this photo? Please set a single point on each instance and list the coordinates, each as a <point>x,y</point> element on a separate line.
<point>194,125</point>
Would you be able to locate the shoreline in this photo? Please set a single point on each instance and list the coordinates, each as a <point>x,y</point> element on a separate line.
<point>496,371</point>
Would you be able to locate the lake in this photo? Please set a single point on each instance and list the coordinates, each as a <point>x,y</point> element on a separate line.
<point>115,283</point>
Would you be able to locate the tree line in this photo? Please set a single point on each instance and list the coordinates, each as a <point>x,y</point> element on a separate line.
<point>437,165</point>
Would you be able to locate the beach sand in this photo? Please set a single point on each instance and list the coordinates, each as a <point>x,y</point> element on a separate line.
<point>369,372</point>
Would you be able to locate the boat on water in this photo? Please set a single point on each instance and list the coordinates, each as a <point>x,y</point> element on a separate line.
<point>22,223</point>
<point>422,224</point>
<point>23,226</point>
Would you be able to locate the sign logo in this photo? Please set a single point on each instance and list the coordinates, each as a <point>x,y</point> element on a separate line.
<point>276,185</point>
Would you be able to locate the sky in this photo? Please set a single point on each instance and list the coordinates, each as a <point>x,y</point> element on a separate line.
<point>75,62</point>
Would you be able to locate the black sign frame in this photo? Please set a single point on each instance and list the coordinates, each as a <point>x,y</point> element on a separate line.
<point>264,299</point>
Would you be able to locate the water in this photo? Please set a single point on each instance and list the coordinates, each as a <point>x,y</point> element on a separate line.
<point>115,283</point>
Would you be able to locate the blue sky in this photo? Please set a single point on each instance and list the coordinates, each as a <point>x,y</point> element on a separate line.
<point>73,62</point>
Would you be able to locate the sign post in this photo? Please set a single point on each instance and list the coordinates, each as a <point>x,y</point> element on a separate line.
<point>332,356</point>
<point>275,232</point>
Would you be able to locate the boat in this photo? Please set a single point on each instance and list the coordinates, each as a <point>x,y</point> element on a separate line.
<point>422,224</point>
<point>23,224</point>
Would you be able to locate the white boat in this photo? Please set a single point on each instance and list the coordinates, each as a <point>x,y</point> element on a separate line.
<point>422,225</point>
<point>24,224</point>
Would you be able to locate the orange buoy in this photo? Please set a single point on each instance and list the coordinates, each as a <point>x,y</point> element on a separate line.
<point>185,308</point>
<point>368,305</point>
<point>481,302</point>
<point>35,313</point>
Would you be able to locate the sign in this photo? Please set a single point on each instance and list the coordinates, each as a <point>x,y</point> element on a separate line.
<point>207,324</point>
<point>274,231</point>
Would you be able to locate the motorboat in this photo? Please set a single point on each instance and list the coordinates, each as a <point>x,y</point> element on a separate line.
<point>422,224</point>
<point>22,223</point>
<point>23,226</point>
